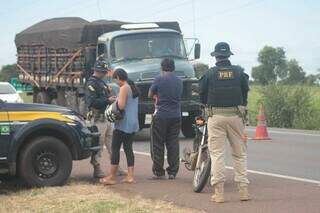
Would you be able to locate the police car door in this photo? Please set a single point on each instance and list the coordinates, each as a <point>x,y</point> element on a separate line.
<point>4,132</point>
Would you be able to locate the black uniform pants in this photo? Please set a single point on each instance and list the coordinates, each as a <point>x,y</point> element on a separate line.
<point>165,132</point>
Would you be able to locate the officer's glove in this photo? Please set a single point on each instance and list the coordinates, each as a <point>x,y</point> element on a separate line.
<point>89,115</point>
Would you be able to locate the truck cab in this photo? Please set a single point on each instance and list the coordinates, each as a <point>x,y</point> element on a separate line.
<point>139,49</point>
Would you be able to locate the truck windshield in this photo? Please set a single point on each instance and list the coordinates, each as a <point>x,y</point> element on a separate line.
<point>148,45</point>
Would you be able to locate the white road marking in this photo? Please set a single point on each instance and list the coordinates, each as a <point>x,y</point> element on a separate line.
<point>281,176</point>
<point>288,133</point>
<point>260,173</point>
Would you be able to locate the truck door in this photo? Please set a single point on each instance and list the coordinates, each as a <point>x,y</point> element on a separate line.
<point>5,135</point>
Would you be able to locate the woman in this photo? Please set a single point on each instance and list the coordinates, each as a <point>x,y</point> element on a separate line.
<point>125,128</point>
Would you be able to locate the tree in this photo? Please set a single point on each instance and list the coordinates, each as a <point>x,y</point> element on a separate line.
<point>296,75</point>
<point>8,71</point>
<point>200,69</point>
<point>272,65</point>
<point>311,79</point>
<point>262,75</point>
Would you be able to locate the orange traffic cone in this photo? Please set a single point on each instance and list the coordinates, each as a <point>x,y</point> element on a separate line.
<point>261,129</point>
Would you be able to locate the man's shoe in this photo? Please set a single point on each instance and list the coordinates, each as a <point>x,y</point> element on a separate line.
<point>156,177</point>
<point>97,172</point>
<point>171,177</point>
<point>218,195</point>
<point>243,192</point>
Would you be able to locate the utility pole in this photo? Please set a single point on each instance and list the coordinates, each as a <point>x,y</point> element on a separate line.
<point>194,17</point>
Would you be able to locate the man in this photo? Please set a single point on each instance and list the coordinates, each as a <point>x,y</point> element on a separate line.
<point>224,90</point>
<point>98,97</point>
<point>166,122</point>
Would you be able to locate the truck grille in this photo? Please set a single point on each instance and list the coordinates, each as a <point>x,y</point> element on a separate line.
<point>152,75</point>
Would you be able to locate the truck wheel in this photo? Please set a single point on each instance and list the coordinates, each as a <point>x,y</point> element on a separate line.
<point>54,102</point>
<point>42,98</point>
<point>71,100</point>
<point>61,97</point>
<point>187,128</point>
<point>82,106</point>
<point>46,161</point>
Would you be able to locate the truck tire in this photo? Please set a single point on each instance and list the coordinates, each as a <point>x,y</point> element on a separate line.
<point>187,128</point>
<point>45,161</point>
<point>54,101</point>
<point>71,100</point>
<point>61,97</point>
<point>42,98</point>
<point>82,106</point>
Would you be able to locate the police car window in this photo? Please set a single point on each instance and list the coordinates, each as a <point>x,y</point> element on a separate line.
<point>7,89</point>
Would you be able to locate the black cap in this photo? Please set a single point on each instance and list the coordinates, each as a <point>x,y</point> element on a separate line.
<point>101,66</point>
<point>222,49</point>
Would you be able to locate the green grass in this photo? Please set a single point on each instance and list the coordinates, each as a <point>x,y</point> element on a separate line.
<point>254,100</point>
<point>315,93</point>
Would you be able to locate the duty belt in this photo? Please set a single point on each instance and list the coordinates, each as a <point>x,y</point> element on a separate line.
<point>227,111</point>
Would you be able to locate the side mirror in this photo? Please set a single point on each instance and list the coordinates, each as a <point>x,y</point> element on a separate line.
<point>197,49</point>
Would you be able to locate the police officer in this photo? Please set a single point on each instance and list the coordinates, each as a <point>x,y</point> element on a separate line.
<point>224,91</point>
<point>98,97</point>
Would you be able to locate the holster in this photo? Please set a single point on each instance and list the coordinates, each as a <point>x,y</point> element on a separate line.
<point>244,114</point>
<point>96,115</point>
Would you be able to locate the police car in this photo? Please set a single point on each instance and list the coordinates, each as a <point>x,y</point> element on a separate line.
<point>39,142</point>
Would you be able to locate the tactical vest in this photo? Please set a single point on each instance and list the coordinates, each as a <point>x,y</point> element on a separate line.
<point>101,92</point>
<point>225,87</point>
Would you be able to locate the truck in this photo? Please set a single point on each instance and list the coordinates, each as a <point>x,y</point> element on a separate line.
<point>56,57</point>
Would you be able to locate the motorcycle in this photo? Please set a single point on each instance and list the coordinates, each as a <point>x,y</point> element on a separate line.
<point>198,160</point>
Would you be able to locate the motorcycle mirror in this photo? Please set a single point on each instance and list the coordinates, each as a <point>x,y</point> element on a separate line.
<point>197,50</point>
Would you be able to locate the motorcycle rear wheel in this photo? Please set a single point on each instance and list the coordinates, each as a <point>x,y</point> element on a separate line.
<point>202,174</point>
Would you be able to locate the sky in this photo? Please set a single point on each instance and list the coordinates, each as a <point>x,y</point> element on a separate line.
<point>247,25</point>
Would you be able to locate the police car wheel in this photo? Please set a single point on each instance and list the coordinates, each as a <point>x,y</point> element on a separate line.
<point>45,161</point>
<point>187,128</point>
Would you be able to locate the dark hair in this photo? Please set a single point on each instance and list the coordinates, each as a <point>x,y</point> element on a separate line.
<point>167,65</point>
<point>122,75</point>
<point>135,90</point>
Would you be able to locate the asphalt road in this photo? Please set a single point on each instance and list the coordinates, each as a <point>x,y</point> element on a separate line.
<point>291,153</point>
<point>285,176</point>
